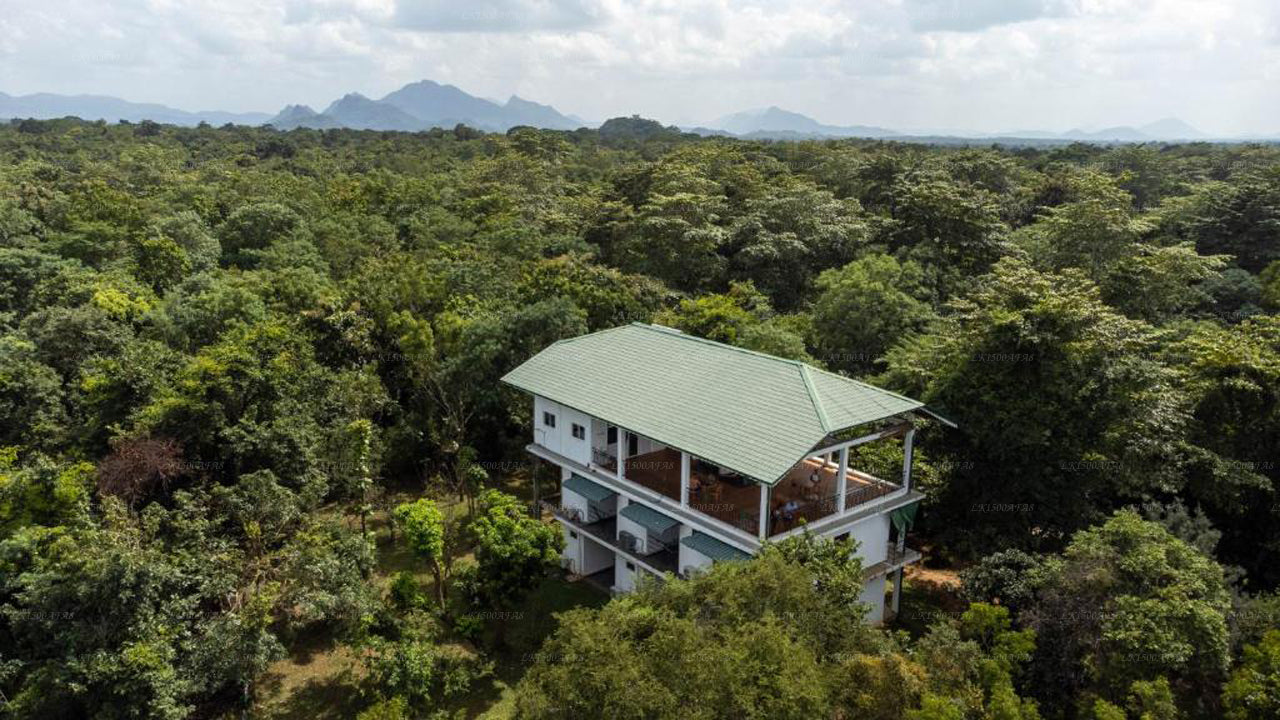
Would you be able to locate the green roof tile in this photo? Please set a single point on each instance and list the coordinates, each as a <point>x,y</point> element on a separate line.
<point>595,492</point>
<point>743,410</point>
<point>648,518</point>
<point>717,550</point>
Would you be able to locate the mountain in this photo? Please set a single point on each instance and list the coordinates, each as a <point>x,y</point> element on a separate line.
<point>112,109</point>
<point>425,104</point>
<point>525,112</point>
<point>774,122</point>
<point>294,116</point>
<point>1121,133</point>
<point>358,112</point>
<point>1171,129</point>
<point>445,105</point>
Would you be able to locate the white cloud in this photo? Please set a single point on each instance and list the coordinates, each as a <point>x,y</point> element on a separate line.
<point>973,15</point>
<point>977,64</point>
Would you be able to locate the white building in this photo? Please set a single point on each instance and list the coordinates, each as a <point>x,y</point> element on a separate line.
<point>677,452</point>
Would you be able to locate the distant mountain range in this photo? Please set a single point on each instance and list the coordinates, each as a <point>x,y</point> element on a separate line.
<point>776,123</point>
<point>423,105</point>
<point>112,109</point>
<point>426,104</point>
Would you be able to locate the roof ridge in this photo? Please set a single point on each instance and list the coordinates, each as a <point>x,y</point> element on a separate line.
<point>815,398</point>
<point>867,385</point>
<point>585,335</point>
<point>707,341</point>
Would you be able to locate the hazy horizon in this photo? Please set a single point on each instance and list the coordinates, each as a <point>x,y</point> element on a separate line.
<point>911,65</point>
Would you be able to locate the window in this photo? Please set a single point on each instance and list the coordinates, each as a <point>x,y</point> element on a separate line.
<point>548,419</point>
<point>579,431</point>
<point>573,535</point>
<point>612,438</point>
<point>631,566</point>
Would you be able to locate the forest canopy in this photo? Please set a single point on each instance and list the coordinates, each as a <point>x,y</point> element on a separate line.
<point>233,361</point>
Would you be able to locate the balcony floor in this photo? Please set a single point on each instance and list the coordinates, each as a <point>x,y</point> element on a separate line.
<point>738,503</point>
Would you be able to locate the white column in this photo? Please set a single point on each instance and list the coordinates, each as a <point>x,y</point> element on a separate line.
<point>897,590</point>
<point>764,512</point>
<point>906,457</point>
<point>842,479</point>
<point>622,454</point>
<point>684,478</point>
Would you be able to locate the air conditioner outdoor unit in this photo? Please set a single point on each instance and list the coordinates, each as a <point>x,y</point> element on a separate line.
<point>631,543</point>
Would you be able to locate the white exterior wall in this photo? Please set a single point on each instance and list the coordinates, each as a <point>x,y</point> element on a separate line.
<point>560,438</point>
<point>595,557</point>
<point>872,535</point>
<point>571,500</point>
<point>624,580</point>
<point>873,597</point>
<point>694,560</point>
<point>635,528</point>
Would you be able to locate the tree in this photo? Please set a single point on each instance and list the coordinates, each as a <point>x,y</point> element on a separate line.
<point>1253,692</point>
<point>418,670</point>
<point>1128,602</point>
<point>1270,283</point>
<point>1093,231</point>
<point>865,307</point>
<point>1065,412</point>
<point>252,228</point>
<point>1240,217</point>
<point>953,231</point>
<point>1007,578</point>
<point>430,538</point>
<point>780,635</point>
<point>780,241</point>
<point>1232,377</point>
<point>972,662</point>
<point>513,550</point>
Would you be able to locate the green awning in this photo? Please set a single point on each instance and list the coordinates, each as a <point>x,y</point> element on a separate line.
<point>592,491</point>
<point>904,517</point>
<point>648,518</point>
<point>717,550</point>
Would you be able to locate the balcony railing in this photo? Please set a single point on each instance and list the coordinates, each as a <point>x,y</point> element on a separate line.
<point>787,517</point>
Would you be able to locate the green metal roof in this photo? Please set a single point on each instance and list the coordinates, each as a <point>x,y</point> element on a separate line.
<point>595,492</point>
<point>743,410</point>
<point>715,549</point>
<point>648,518</point>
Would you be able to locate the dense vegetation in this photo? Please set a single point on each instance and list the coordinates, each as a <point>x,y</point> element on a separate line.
<point>248,399</point>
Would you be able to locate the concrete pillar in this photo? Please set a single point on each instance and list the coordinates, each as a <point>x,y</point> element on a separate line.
<point>764,512</point>
<point>897,590</point>
<point>906,457</point>
<point>684,478</point>
<point>536,510</point>
<point>842,479</point>
<point>622,454</point>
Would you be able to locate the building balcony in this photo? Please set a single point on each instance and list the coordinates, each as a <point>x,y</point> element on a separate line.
<point>807,494</point>
<point>605,531</point>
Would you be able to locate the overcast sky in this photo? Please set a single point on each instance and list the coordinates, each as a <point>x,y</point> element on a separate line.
<point>982,65</point>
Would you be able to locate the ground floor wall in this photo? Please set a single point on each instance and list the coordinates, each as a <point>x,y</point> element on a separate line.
<point>873,598</point>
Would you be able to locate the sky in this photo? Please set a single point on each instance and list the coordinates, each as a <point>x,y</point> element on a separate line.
<point>966,65</point>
